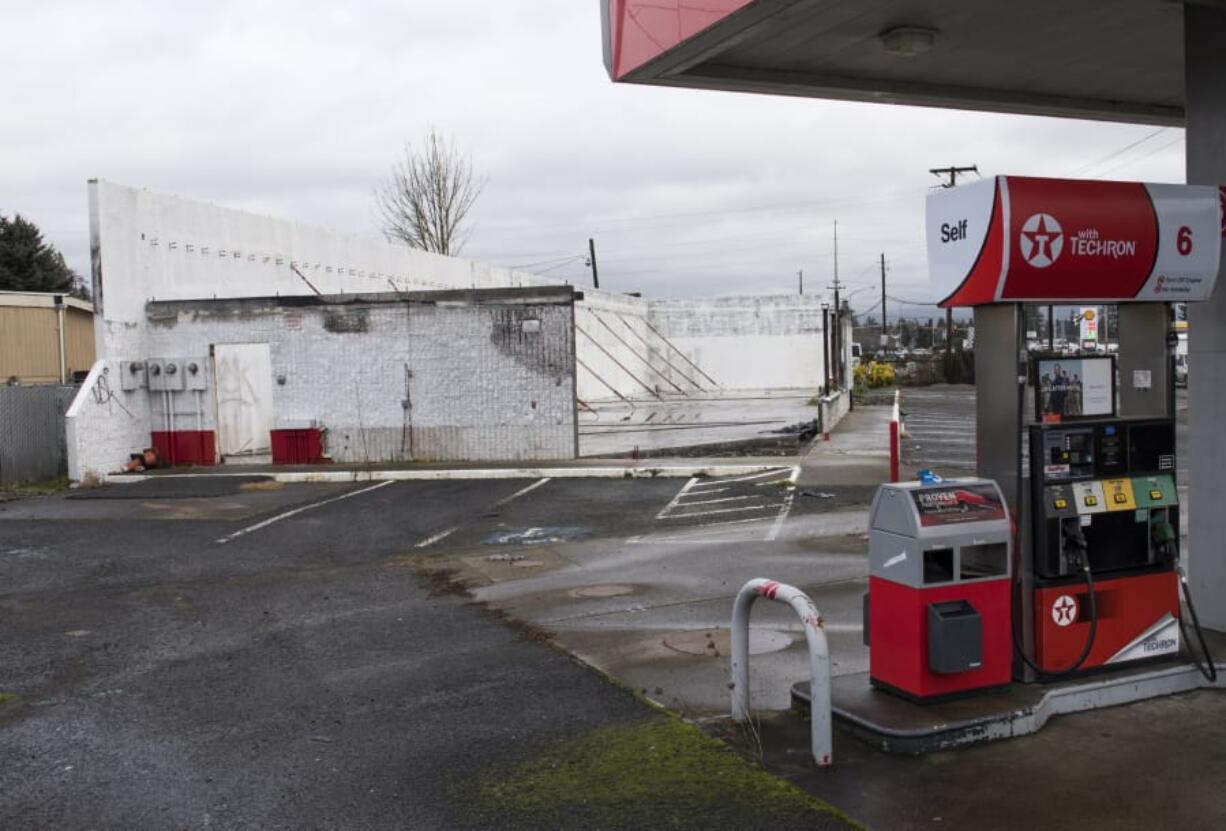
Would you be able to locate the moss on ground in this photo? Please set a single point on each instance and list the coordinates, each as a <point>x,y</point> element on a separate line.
<point>659,770</point>
<point>6,697</point>
<point>36,488</point>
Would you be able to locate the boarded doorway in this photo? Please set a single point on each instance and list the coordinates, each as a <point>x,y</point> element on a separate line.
<point>244,399</point>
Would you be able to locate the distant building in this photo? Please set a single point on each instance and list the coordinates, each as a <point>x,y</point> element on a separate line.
<point>44,337</point>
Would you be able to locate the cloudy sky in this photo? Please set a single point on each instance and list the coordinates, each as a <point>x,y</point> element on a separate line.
<point>298,109</point>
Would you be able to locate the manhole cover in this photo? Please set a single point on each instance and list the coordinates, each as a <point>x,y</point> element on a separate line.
<point>717,642</point>
<point>514,560</point>
<point>607,590</point>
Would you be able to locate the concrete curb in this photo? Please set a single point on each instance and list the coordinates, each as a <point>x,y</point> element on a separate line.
<point>603,472</point>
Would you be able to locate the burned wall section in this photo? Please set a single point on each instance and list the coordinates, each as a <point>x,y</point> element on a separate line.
<point>436,376</point>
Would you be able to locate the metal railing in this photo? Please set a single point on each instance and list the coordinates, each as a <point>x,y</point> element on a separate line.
<point>819,659</point>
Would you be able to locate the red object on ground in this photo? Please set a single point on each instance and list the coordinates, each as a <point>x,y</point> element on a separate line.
<point>894,474</point>
<point>898,629</point>
<point>297,447</point>
<point>1128,608</point>
<point>186,447</point>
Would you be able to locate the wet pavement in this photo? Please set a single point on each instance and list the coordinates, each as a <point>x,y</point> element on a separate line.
<point>275,656</point>
<point>291,668</point>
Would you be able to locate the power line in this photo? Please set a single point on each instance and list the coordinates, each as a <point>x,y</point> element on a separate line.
<point>1119,152</point>
<point>1153,152</point>
<point>837,202</point>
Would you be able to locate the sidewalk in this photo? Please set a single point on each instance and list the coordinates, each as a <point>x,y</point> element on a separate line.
<point>858,452</point>
<point>665,467</point>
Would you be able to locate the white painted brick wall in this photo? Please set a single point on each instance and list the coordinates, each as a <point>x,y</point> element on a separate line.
<point>105,424</point>
<point>481,388</point>
<point>747,342</point>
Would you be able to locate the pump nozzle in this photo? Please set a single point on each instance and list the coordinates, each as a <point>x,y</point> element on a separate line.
<point>1164,538</point>
<point>1075,545</point>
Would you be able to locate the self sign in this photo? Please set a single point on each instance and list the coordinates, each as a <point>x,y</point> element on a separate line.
<point>953,233</point>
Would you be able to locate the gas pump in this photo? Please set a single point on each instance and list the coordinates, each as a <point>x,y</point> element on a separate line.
<point>1105,541</point>
<point>1088,473</point>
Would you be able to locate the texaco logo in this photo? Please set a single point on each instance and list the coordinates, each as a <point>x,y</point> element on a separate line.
<point>1064,610</point>
<point>1042,240</point>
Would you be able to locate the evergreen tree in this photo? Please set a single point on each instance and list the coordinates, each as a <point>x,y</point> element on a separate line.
<point>27,263</point>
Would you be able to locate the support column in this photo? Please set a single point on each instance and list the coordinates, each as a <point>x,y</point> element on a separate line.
<point>1142,340</point>
<point>998,420</point>
<point>1205,67</point>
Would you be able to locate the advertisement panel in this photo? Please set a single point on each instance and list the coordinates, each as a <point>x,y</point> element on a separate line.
<point>1014,238</point>
<point>958,504</point>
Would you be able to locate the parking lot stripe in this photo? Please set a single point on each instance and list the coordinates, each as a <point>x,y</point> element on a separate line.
<point>673,502</point>
<point>521,492</point>
<point>249,529</point>
<point>773,533</point>
<point>721,499</point>
<point>441,535</point>
<point>724,480</point>
<point>757,507</point>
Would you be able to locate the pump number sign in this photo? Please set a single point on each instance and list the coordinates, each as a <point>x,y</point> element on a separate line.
<point>1013,239</point>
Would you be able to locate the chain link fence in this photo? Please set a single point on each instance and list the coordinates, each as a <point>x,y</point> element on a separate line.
<point>33,447</point>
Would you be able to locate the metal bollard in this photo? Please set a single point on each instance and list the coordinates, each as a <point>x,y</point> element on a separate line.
<point>819,659</point>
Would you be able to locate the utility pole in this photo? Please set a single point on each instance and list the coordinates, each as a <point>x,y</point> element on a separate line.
<point>836,341</point>
<point>801,276</point>
<point>952,173</point>
<point>885,330</point>
<point>591,247</point>
<point>949,344</point>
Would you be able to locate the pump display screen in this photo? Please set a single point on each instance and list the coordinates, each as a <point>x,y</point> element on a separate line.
<point>1071,388</point>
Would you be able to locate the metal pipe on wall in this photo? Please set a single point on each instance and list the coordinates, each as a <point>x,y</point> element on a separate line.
<point>59,310</point>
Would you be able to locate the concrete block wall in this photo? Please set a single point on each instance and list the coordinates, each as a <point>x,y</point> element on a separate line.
<point>747,342</point>
<point>105,424</point>
<point>486,381</point>
<point>612,343</point>
<point>150,246</point>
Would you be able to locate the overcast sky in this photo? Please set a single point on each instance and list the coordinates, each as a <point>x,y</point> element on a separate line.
<point>298,109</point>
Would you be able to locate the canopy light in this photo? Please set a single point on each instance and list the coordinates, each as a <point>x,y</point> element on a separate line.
<point>908,41</point>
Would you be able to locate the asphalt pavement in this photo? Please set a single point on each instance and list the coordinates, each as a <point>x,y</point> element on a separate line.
<point>272,658</point>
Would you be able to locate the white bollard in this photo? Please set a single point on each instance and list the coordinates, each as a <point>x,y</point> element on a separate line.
<point>819,659</point>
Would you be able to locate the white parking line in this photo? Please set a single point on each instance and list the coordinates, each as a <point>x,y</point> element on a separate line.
<point>773,533</point>
<point>757,507</point>
<point>521,492</point>
<point>441,535</point>
<point>249,529</point>
<point>724,480</point>
<point>717,501</point>
<point>676,499</point>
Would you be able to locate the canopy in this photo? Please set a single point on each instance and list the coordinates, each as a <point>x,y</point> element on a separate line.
<point>1106,59</point>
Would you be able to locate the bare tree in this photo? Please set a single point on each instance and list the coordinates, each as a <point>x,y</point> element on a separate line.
<point>429,195</point>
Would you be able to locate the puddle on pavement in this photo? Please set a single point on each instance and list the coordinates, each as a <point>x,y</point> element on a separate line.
<point>714,643</point>
<point>605,590</point>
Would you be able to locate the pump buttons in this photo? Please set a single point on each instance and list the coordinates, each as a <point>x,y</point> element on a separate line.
<point>1091,501</point>
<point>1061,504</point>
<point>1155,494</point>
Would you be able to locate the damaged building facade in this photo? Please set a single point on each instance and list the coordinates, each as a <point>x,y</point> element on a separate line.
<point>227,337</point>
